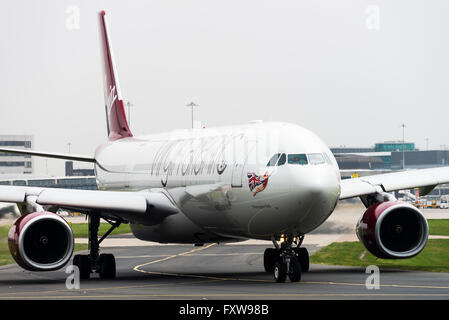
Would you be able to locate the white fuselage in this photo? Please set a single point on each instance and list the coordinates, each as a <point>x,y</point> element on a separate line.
<point>221,183</point>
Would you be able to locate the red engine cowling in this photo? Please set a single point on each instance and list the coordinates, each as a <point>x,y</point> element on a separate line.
<point>393,230</point>
<point>41,241</point>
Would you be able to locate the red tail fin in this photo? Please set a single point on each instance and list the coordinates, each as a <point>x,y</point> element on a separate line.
<point>115,112</point>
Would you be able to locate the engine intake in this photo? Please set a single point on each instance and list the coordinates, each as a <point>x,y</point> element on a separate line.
<point>393,230</point>
<point>41,241</point>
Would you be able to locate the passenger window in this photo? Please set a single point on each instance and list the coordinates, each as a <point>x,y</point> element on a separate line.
<point>316,158</point>
<point>273,160</point>
<point>297,159</point>
<point>282,160</point>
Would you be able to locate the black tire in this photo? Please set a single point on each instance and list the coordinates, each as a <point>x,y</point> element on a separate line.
<point>269,258</point>
<point>280,271</point>
<point>106,263</point>
<point>83,263</point>
<point>303,258</point>
<point>295,270</point>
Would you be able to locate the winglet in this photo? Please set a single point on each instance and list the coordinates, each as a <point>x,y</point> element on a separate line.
<point>117,124</point>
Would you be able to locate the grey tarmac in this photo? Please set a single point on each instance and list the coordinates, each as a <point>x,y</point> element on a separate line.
<point>224,271</point>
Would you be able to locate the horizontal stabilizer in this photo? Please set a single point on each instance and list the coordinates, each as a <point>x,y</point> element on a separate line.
<point>65,156</point>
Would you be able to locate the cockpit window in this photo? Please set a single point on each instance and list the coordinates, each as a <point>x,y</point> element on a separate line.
<point>282,160</point>
<point>278,159</point>
<point>297,159</point>
<point>327,159</point>
<point>273,160</point>
<point>316,158</point>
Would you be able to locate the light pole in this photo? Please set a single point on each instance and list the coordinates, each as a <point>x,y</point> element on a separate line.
<point>403,146</point>
<point>192,105</point>
<point>427,144</point>
<point>69,144</point>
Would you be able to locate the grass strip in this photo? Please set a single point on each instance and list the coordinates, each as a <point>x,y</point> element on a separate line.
<point>438,227</point>
<point>434,257</point>
<point>81,230</point>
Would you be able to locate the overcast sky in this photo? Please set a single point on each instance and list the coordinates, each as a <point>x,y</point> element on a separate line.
<point>351,71</point>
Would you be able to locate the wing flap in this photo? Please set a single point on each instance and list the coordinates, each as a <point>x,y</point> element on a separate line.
<point>13,195</point>
<point>91,199</point>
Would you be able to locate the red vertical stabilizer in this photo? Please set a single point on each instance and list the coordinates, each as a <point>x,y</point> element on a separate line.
<point>118,127</point>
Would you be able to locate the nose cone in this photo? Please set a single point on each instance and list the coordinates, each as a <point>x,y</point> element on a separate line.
<point>315,180</point>
<point>316,190</point>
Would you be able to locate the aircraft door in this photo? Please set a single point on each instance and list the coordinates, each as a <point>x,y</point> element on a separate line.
<point>239,155</point>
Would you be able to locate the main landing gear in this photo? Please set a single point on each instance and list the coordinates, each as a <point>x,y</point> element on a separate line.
<point>103,264</point>
<point>286,260</point>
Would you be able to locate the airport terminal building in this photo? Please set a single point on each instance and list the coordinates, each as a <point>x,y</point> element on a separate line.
<point>74,179</point>
<point>17,169</point>
<point>14,163</point>
<point>390,156</point>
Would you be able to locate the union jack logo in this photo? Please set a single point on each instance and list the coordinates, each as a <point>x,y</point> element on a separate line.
<point>257,183</point>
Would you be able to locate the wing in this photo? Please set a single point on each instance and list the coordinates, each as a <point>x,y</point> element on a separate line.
<point>426,179</point>
<point>137,207</point>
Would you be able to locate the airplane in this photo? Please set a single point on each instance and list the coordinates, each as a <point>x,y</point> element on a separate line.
<point>271,181</point>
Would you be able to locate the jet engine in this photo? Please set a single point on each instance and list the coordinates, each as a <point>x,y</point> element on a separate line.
<point>393,230</point>
<point>41,241</point>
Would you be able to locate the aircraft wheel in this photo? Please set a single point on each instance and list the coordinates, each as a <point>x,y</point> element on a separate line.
<point>295,270</point>
<point>83,263</point>
<point>280,271</point>
<point>269,258</point>
<point>106,264</point>
<point>303,258</point>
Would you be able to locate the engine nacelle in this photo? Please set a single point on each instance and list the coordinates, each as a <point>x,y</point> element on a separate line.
<point>393,230</point>
<point>41,241</point>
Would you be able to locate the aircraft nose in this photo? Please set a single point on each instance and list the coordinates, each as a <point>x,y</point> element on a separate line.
<point>315,180</point>
<point>316,186</point>
<point>315,192</point>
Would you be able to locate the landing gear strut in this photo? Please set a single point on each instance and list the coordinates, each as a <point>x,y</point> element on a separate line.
<point>94,262</point>
<point>286,260</point>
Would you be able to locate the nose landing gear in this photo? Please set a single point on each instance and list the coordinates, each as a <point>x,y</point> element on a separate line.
<point>285,260</point>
